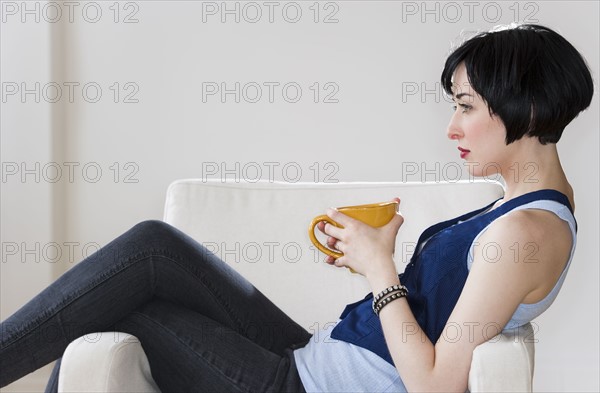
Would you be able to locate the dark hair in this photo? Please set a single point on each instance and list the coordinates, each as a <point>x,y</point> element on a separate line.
<point>529,76</point>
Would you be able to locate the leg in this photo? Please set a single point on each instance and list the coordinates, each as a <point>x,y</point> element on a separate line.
<point>153,259</point>
<point>52,385</point>
<point>189,352</point>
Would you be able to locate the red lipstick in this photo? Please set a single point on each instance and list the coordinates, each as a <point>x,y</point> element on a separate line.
<point>463,152</point>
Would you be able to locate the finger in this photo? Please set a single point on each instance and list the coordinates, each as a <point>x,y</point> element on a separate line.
<point>395,223</point>
<point>340,262</point>
<point>330,260</point>
<point>321,226</point>
<point>397,200</point>
<point>331,242</point>
<point>340,217</point>
<point>398,219</point>
<point>333,231</point>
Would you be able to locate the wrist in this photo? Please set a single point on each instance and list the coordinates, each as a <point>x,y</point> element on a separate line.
<point>387,296</point>
<point>383,278</point>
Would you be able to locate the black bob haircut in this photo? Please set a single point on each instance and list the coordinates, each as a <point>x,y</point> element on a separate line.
<point>529,76</point>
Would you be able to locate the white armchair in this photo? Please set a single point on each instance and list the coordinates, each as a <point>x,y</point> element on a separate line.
<point>260,229</point>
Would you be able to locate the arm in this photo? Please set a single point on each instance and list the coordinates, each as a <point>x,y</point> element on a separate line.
<point>490,296</point>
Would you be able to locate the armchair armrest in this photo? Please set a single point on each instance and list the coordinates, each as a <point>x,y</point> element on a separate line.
<point>105,362</point>
<point>505,363</point>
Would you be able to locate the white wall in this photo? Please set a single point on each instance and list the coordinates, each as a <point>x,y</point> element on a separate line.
<point>25,137</point>
<point>372,56</point>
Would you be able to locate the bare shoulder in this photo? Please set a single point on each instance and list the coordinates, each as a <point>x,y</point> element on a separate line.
<point>538,241</point>
<point>538,224</point>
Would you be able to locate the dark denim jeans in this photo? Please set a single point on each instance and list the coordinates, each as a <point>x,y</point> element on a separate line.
<point>203,326</point>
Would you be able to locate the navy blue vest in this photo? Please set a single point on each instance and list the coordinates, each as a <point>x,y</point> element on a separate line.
<point>434,277</point>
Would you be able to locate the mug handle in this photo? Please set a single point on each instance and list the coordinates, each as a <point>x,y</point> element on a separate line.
<point>313,238</point>
<point>321,247</point>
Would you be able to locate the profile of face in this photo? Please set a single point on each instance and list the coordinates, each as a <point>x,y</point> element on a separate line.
<point>480,136</point>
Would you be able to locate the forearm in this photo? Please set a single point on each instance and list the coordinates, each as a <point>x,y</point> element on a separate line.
<point>412,351</point>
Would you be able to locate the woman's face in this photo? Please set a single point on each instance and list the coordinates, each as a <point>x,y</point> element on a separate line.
<point>481,137</point>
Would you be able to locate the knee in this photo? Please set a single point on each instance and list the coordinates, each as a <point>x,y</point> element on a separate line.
<point>153,232</point>
<point>152,227</point>
<point>156,235</point>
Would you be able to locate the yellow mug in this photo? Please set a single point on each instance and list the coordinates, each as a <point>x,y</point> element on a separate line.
<point>374,214</point>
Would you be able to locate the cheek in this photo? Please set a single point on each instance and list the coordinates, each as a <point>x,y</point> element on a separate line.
<point>482,128</point>
<point>485,135</point>
<point>496,130</point>
<point>474,127</point>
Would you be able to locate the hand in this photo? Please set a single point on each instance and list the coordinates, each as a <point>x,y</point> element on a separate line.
<point>366,249</point>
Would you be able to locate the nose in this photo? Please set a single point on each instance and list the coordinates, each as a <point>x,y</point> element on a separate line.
<point>453,131</point>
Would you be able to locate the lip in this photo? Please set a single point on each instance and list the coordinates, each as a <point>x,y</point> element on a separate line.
<point>463,152</point>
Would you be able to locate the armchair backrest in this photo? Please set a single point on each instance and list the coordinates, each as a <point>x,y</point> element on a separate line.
<point>261,230</point>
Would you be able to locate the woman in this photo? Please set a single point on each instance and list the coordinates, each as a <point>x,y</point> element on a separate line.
<point>514,90</point>
<point>204,328</point>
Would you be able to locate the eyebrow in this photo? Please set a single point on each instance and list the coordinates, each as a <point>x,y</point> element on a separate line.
<point>460,95</point>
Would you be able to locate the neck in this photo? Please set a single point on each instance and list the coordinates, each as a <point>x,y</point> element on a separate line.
<point>532,166</point>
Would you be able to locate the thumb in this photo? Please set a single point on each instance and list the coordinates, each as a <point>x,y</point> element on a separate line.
<point>397,221</point>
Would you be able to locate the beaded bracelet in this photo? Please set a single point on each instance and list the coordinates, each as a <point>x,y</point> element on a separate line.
<point>393,288</point>
<point>387,300</point>
<point>388,290</point>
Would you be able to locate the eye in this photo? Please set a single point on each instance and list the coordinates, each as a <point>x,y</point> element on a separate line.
<point>464,107</point>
